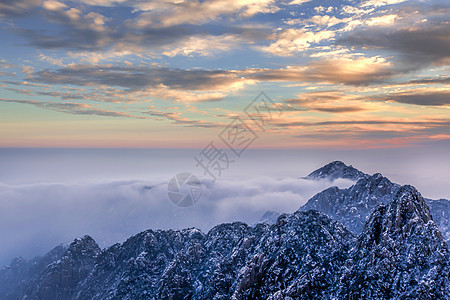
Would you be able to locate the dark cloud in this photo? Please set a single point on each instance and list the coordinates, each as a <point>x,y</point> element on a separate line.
<point>82,38</point>
<point>441,80</point>
<point>79,30</point>
<point>418,46</point>
<point>137,78</point>
<point>432,98</point>
<point>79,40</point>
<point>338,109</point>
<point>90,31</point>
<point>15,8</point>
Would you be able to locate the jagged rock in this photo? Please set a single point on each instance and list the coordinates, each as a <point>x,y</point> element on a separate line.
<point>353,205</point>
<point>399,255</point>
<point>60,279</point>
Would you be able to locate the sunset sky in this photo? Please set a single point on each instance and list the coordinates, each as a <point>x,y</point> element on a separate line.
<point>174,73</point>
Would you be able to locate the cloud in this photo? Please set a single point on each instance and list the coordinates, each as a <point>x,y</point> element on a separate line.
<point>86,109</point>
<point>328,101</point>
<point>73,108</point>
<point>137,78</point>
<point>82,30</point>
<point>367,133</point>
<point>178,119</point>
<point>421,97</point>
<point>203,45</point>
<point>385,20</point>
<point>432,123</point>
<point>327,20</point>
<point>16,8</point>
<point>36,217</point>
<point>338,109</point>
<point>291,41</point>
<point>418,46</point>
<point>349,71</point>
<point>169,13</point>
<point>298,2</point>
<point>378,3</point>
<point>176,83</point>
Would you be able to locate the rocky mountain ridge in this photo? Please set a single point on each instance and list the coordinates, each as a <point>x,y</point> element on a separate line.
<point>353,206</point>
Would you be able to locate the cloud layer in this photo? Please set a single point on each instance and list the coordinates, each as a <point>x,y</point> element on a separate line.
<point>36,217</point>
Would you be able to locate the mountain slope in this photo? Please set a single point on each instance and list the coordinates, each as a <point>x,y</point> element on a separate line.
<point>399,254</point>
<point>232,261</point>
<point>440,210</point>
<point>15,277</point>
<point>353,206</point>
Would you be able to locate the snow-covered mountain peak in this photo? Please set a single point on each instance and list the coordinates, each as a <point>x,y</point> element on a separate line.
<point>335,170</point>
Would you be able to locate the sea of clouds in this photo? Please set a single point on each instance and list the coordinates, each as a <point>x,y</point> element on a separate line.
<point>36,217</point>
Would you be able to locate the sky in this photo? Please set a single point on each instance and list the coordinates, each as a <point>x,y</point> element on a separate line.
<point>173,74</point>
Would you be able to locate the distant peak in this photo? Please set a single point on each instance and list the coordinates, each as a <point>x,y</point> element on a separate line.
<point>337,169</point>
<point>269,217</point>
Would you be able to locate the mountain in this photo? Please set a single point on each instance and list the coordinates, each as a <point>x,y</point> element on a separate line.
<point>400,254</point>
<point>352,206</point>
<point>14,277</point>
<point>335,170</point>
<point>440,210</point>
<point>373,240</point>
<point>299,256</point>
<point>269,217</point>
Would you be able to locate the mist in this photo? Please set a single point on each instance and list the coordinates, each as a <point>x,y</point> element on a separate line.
<point>36,217</point>
<point>51,196</point>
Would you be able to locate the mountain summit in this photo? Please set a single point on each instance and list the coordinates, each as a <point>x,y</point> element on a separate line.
<point>337,169</point>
